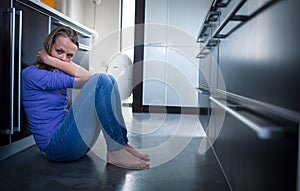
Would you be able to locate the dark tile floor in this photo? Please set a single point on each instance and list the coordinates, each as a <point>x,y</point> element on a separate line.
<point>30,170</point>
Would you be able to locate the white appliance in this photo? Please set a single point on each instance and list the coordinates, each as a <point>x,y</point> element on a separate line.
<point>120,67</point>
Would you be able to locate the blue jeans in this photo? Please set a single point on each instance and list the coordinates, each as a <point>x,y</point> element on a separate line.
<point>97,107</point>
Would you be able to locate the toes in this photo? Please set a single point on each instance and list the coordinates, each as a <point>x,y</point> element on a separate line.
<point>137,166</point>
<point>140,155</point>
<point>124,159</point>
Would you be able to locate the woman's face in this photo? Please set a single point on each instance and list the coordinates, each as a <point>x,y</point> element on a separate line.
<point>63,49</point>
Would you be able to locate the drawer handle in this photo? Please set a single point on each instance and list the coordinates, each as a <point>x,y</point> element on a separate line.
<point>221,3</point>
<point>284,113</point>
<point>211,16</point>
<point>12,12</point>
<point>232,16</point>
<point>262,132</point>
<point>203,89</point>
<point>20,13</point>
<point>15,99</point>
<point>212,43</point>
<point>203,34</point>
<point>207,46</point>
<point>84,47</point>
<point>203,52</point>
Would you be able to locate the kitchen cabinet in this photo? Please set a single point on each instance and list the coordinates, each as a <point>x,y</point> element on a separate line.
<point>256,151</point>
<point>252,163</point>
<point>154,75</point>
<point>253,91</point>
<point>208,65</point>
<point>24,26</point>
<point>267,48</point>
<point>18,45</point>
<point>166,82</point>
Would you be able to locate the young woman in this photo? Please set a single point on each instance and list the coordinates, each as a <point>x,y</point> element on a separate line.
<point>65,133</point>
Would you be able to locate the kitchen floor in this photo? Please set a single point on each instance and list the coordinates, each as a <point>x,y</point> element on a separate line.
<point>172,140</point>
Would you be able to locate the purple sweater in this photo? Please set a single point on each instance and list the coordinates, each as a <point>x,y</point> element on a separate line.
<point>45,97</point>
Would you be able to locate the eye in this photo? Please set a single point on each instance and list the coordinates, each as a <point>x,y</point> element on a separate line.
<point>59,51</point>
<point>70,55</point>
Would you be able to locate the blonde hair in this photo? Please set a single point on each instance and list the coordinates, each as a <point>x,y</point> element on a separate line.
<point>51,38</point>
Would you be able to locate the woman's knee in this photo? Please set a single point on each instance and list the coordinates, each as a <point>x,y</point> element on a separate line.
<point>112,78</point>
<point>105,79</point>
<point>104,82</point>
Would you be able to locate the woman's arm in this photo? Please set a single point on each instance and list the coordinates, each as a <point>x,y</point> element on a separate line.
<point>80,74</point>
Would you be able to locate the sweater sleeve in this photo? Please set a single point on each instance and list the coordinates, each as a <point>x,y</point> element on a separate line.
<point>47,80</point>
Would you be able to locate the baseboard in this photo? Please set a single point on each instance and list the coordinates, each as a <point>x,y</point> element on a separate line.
<point>170,109</point>
<point>16,147</point>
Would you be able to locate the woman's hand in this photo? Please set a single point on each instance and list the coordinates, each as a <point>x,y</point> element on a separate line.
<point>43,57</point>
<point>81,75</point>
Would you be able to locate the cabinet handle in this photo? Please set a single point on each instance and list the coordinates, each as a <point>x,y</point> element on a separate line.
<point>262,132</point>
<point>203,33</point>
<point>84,47</point>
<point>232,16</point>
<point>203,89</point>
<point>20,13</point>
<point>287,114</point>
<point>207,46</point>
<point>212,43</point>
<point>12,12</point>
<point>15,70</point>
<point>211,16</point>
<point>203,52</point>
<point>216,4</point>
<point>156,44</point>
<point>221,3</point>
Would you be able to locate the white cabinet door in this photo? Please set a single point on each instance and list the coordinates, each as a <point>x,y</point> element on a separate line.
<point>182,78</point>
<point>171,28</point>
<point>154,84</point>
<point>154,66</point>
<point>156,16</point>
<point>185,17</point>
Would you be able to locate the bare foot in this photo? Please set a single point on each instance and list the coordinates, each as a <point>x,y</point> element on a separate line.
<point>124,159</point>
<point>136,153</point>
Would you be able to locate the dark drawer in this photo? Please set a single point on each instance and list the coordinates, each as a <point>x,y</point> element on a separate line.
<point>260,60</point>
<point>251,163</point>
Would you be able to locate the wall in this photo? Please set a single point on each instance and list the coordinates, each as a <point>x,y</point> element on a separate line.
<point>107,24</point>
<point>105,19</point>
<point>75,11</point>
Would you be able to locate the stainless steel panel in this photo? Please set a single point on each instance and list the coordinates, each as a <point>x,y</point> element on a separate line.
<point>257,144</point>
<point>253,164</point>
<point>260,60</point>
<point>6,59</point>
<point>19,45</point>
